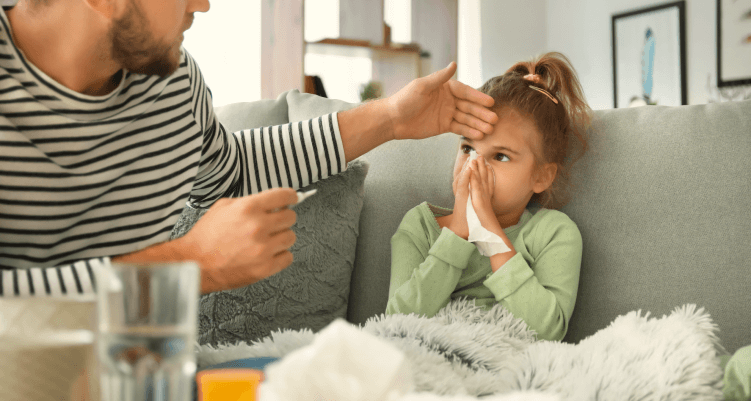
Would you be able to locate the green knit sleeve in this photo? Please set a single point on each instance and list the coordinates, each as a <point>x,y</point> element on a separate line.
<point>423,276</point>
<point>539,284</point>
<point>737,379</point>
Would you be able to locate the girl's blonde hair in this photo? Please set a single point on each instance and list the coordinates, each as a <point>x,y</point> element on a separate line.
<point>562,122</point>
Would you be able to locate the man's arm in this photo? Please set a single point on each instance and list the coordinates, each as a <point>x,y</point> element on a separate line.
<point>255,159</point>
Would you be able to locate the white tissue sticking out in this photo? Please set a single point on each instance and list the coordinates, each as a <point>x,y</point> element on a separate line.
<point>301,196</point>
<point>487,243</point>
<point>342,364</point>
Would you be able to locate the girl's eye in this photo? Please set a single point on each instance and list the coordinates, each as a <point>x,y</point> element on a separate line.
<point>501,157</point>
<point>466,149</point>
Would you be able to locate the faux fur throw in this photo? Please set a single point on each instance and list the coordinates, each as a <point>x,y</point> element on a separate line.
<point>467,351</point>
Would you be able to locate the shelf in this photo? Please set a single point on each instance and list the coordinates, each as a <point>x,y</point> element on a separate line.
<point>358,48</point>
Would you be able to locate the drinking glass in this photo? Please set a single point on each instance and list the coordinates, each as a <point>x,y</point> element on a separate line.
<point>147,331</point>
<point>47,348</point>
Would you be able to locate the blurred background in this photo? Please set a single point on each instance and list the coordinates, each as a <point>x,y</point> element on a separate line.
<point>359,49</point>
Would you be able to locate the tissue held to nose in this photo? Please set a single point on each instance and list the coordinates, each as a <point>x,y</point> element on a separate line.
<point>487,243</point>
<point>472,156</point>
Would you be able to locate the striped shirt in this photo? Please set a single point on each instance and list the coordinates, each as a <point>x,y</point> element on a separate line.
<point>85,177</point>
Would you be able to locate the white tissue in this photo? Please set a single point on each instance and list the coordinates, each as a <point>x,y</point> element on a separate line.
<point>301,196</point>
<point>487,243</point>
<point>342,364</point>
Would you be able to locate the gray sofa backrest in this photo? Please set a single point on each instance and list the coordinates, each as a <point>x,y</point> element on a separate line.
<point>661,202</point>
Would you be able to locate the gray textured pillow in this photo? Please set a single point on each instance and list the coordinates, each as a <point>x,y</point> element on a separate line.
<point>311,292</point>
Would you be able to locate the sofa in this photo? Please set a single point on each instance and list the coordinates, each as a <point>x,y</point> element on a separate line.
<point>660,200</point>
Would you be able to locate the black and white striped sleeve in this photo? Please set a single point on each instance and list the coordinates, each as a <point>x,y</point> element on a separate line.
<point>78,278</point>
<point>253,160</point>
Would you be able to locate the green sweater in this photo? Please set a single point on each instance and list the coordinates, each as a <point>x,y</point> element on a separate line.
<point>431,266</point>
<point>737,380</point>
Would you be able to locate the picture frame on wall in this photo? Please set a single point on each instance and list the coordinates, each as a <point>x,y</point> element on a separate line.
<point>733,42</point>
<point>649,56</point>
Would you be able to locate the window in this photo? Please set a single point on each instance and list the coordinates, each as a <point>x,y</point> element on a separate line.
<point>321,19</point>
<point>469,64</point>
<point>398,15</point>
<point>226,44</point>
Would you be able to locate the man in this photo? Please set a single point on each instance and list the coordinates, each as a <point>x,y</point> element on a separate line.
<point>107,129</point>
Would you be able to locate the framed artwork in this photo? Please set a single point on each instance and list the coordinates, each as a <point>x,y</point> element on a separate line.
<point>649,56</point>
<point>733,42</point>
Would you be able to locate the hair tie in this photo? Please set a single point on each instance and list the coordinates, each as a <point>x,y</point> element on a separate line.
<point>544,92</point>
<point>532,77</point>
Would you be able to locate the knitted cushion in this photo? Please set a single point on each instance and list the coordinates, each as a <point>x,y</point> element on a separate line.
<point>311,292</point>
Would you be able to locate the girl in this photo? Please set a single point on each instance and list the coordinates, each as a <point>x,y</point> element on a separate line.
<point>517,182</point>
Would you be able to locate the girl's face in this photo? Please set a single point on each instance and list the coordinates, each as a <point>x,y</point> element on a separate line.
<point>509,151</point>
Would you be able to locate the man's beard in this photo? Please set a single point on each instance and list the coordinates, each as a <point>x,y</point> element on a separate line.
<point>134,48</point>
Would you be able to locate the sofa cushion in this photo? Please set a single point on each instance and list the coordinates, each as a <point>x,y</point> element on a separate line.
<point>662,205</point>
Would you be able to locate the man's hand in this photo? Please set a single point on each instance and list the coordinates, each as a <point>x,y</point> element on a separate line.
<point>426,107</point>
<point>243,240</point>
<point>435,104</point>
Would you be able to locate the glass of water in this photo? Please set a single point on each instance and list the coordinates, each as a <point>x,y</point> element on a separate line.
<point>147,331</point>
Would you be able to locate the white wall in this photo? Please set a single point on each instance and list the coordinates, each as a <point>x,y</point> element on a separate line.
<point>512,31</point>
<point>581,29</point>
<point>362,20</point>
<point>434,28</point>
<point>395,70</point>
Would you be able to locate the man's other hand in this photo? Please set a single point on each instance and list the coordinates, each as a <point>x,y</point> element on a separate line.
<point>240,241</point>
<point>435,104</point>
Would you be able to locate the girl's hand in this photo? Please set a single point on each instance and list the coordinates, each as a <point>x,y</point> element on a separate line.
<point>482,183</point>
<point>458,222</point>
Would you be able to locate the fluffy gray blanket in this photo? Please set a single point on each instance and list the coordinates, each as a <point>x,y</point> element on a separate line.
<point>465,350</point>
